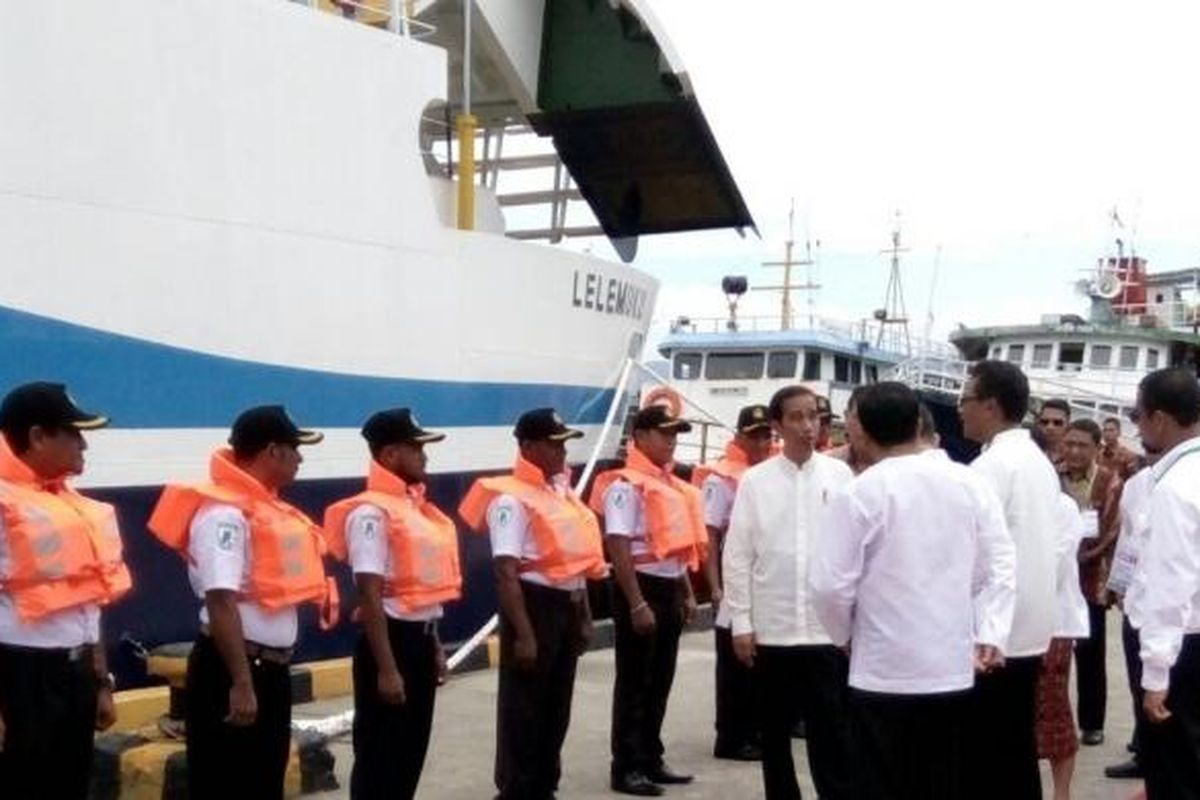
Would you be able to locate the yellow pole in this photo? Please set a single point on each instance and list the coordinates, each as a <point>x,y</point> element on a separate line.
<point>466,171</point>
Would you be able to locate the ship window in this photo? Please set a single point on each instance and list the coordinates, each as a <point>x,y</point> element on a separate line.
<point>1042,353</point>
<point>812,366</point>
<point>1108,408</point>
<point>1070,356</point>
<point>841,369</point>
<point>1151,359</point>
<point>1101,355</point>
<point>856,372</point>
<point>1016,353</point>
<point>997,352</point>
<point>781,365</point>
<point>1129,357</point>
<point>734,366</point>
<point>872,373</point>
<point>687,366</point>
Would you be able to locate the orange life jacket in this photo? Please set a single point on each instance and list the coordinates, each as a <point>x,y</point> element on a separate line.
<point>422,540</point>
<point>285,545</point>
<point>731,466</point>
<point>674,509</point>
<point>565,531</point>
<point>64,549</point>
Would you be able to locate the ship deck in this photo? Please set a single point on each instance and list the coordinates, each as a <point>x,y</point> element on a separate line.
<point>459,764</point>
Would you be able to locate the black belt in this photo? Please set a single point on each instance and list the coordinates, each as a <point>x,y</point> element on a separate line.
<point>554,594</point>
<point>426,627</point>
<point>260,652</point>
<point>72,654</point>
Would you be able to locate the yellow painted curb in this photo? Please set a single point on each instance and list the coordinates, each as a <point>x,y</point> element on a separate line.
<point>144,770</point>
<point>493,651</point>
<point>172,669</point>
<point>333,678</point>
<point>137,708</point>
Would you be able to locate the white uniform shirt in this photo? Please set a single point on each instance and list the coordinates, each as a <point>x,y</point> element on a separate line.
<point>219,558</point>
<point>913,565</point>
<point>511,533</point>
<point>624,515</point>
<point>1028,488</point>
<point>70,627</point>
<point>1165,594</point>
<point>1135,527</point>
<point>1073,620</point>
<point>719,492</point>
<point>771,532</point>
<point>371,554</point>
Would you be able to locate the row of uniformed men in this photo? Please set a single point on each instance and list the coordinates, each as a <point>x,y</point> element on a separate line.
<point>252,559</point>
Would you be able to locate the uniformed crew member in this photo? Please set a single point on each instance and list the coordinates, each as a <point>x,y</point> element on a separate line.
<point>655,534</point>
<point>252,559</point>
<point>404,554</point>
<point>60,561</point>
<point>736,720</point>
<point>545,545</point>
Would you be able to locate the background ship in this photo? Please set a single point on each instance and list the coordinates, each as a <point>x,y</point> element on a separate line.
<point>210,204</point>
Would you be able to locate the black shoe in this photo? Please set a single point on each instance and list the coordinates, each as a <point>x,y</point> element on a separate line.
<point>800,730</point>
<point>742,752</point>
<point>635,783</point>
<point>664,774</point>
<point>1131,748</point>
<point>1130,769</point>
<point>1092,738</point>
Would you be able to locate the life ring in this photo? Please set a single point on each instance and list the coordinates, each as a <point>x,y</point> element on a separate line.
<point>664,396</point>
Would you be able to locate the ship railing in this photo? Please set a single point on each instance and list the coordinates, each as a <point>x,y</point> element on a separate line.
<point>397,16</point>
<point>867,331</point>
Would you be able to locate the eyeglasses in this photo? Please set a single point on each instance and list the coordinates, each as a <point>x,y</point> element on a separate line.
<point>1052,423</point>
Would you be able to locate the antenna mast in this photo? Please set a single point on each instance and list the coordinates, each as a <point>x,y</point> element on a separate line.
<point>893,312</point>
<point>785,289</point>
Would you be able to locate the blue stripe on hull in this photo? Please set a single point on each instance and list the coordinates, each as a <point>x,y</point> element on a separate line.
<point>143,384</point>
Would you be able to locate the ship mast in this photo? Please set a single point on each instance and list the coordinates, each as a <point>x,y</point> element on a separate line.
<point>787,287</point>
<point>894,313</point>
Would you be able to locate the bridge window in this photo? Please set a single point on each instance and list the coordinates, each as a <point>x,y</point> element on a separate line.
<point>812,366</point>
<point>1101,355</point>
<point>687,366</point>
<point>1129,357</point>
<point>997,352</point>
<point>734,366</point>
<point>1151,359</point>
<point>782,365</point>
<point>856,372</point>
<point>841,369</point>
<point>872,373</point>
<point>1016,353</point>
<point>1042,353</point>
<point>1070,356</point>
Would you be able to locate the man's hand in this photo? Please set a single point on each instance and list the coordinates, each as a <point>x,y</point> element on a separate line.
<point>525,653</point>
<point>743,648</point>
<point>1155,706</point>
<point>243,705</point>
<point>988,658</point>
<point>715,598</point>
<point>439,663</point>
<point>644,621</point>
<point>689,608</point>
<point>106,711</point>
<point>391,686</point>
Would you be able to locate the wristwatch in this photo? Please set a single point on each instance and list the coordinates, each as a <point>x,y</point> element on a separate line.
<point>106,681</point>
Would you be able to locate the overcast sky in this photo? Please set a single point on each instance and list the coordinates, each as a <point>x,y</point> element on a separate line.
<point>1004,136</point>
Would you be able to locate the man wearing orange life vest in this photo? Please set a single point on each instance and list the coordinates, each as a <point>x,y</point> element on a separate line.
<point>736,721</point>
<point>655,534</point>
<point>404,553</point>
<point>546,544</point>
<point>60,561</point>
<point>252,559</point>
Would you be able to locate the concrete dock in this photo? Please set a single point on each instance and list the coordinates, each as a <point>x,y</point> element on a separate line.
<point>459,766</point>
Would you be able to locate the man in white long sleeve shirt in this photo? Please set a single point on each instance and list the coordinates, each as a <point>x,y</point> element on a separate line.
<point>994,401</point>
<point>1163,597</point>
<point>914,570</point>
<point>779,505</point>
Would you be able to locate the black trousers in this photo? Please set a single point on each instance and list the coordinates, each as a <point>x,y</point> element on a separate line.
<point>812,679</point>
<point>390,741</point>
<point>1003,748</point>
<point>228,761</point>
<point>737,710</point>
<point>533,708</point>
<point>48,703</point>
<point>910,747</point>
<point>1133,673</point>
<point>645,671</point>
<point>1171,750</point>
<point>1091,678</point>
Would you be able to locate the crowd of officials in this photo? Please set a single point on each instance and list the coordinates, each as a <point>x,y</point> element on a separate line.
<point>919,616</point>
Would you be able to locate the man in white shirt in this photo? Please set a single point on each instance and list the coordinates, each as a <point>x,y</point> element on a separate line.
<point>779,506</point>
<point>1164,597</point>
<point>736,721</point>
<point>994,401</point>
<point>55,687</point>
<point>914,571</point>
